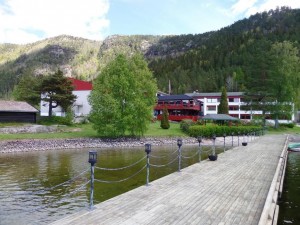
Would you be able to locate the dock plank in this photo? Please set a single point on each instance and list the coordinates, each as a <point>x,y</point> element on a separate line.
<point>231,190</point>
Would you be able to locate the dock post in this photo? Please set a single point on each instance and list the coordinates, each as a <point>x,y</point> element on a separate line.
<point>224,136</point>
<point>179,144</point>
<point>92,161</point>
<point>199,139</point>
<point>148,150</point>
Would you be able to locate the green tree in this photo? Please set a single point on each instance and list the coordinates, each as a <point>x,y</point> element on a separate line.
<point>223,106</point>
<point>274,86</point>
<point>285,82</point>
<point>164,123</point>
<point>123,97</point>
<point>28,90</point>
<point>57,91</point>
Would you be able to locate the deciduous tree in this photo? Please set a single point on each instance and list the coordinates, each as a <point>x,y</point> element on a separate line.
<point>123,97</point>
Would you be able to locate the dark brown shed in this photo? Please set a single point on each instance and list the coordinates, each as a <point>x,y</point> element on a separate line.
<point>13,111</point>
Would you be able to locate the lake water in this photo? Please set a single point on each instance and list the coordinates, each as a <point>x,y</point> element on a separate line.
<point>290,201</point>
<point>28,192</point>
<point>29,182</point>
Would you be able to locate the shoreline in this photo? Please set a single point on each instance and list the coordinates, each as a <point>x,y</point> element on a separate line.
<point>31,145</point>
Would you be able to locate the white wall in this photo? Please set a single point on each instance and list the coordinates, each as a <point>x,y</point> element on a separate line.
<point>81,106</point>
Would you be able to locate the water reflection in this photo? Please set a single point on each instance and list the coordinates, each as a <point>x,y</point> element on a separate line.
<point>290,201</point>
<point>26,180</point>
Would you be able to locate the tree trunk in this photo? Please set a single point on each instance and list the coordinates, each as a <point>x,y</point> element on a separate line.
<point>50,108</point>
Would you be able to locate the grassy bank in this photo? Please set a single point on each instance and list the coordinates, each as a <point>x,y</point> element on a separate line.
<point>87,131</point>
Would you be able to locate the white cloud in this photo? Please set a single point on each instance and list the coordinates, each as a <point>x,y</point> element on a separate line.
<point>27,21</point>
<point>250,7</point>
<point>242,6</point>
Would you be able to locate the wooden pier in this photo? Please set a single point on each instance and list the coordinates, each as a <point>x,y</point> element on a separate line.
<point>235,189</point>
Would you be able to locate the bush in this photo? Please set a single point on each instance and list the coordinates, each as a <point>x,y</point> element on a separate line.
<point>288,125</point>
<point>185,125</point>
<point>219,131</point>
<point>164,123</point>
<point>55,120</point>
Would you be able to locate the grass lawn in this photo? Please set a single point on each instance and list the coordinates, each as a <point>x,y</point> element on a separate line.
<point>283,130</point>
<point>86,131</point>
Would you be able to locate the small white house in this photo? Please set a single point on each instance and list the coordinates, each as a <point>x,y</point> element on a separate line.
<point>81,106</point>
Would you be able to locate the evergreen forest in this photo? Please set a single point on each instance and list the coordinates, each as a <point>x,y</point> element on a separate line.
<point>234,57</point>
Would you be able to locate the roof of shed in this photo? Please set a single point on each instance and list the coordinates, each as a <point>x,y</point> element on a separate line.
<point>13,106</point>
<point>218,117</point>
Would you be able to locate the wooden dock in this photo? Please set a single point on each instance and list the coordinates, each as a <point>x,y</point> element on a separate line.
<point>232,190</point>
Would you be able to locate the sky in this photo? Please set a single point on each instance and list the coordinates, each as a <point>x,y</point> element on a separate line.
<point>27,21</point>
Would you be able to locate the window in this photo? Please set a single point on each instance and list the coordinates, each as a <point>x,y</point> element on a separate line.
<point>211,108</point>
<point>212,100</point>
<point>233,107</point>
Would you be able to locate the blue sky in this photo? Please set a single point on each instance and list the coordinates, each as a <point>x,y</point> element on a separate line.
<point>26,21</point>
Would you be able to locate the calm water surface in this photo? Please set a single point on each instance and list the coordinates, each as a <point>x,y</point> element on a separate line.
<point>290,201</point>
<point>28,192</point>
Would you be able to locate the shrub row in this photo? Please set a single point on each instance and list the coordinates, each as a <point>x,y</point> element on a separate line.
<point>219,131</point>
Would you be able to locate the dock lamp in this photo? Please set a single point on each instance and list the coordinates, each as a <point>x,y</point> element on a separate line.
<point>199,139</point>
<point>224,136</point>
<point>92,157</point>
<point>92,161</point>
<point>148,150</point>
<point>179,144</point>
<point>213,156</point>
<point>244,143</point>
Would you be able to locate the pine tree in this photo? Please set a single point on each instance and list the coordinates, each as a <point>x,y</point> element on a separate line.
<point>164,123</point>
<point>223,106</point>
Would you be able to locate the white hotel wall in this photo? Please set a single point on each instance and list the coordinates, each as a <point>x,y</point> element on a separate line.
<point>81,106</point>
<point>213,102</point>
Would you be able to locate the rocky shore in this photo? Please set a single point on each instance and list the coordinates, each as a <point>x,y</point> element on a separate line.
<point>56,144</point>
<point>27,145</point>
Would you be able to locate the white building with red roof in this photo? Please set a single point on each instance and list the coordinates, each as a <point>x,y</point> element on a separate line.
<point>81,106</point>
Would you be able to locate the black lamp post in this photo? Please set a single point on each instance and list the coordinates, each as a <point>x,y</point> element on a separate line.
<point>199,139</point>
<point>148,150</point>
<point>213,156</point>
<point>232,139</point>
<point>224,136</point>
<point>179,144</point>
<point>92,160</point>
<point>244,143</point>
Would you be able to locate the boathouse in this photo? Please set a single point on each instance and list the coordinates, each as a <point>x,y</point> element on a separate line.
<point>13,111</point>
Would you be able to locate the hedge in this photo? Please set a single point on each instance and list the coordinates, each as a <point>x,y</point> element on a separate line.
<point>219,131</point>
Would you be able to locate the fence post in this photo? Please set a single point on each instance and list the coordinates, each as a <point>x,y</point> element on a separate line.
<point>92,161</point>
<point>148,150</point>
<point>199,138</point>
<point>179,144</point>
<point>224,136</point>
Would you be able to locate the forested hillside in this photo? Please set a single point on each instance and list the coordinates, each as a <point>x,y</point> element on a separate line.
<point>205,62</point>
<point>228,57</point>
<point>76,57</point>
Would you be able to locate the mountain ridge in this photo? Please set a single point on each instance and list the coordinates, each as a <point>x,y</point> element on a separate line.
<point>188,60</point>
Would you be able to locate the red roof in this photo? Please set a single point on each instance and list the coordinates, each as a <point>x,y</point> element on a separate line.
<point>80,85</point>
